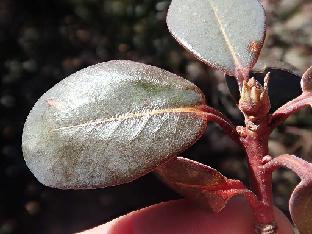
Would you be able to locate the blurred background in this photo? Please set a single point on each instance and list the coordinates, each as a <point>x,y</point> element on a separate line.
<point>43,41</point>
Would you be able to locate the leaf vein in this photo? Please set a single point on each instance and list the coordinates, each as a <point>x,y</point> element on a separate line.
<point>125,116</point>
<point>226,38</point>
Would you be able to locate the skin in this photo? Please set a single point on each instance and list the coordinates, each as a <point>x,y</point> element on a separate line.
<point>181,216</point>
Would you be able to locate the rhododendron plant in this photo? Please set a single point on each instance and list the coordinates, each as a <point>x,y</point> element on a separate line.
<point>115,121</point>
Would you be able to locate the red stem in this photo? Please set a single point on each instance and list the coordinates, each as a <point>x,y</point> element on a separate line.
<point>299,166</point>
<point>219,118</point>
<point>255,143</point>
<point>256,147</point>
<point>291,107</point>
<point>254,139</point>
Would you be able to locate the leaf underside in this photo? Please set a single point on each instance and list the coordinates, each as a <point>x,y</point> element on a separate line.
<point>226,34</point>
<point>300,207</point>
<point>110,124</point>
<point>200,183</point>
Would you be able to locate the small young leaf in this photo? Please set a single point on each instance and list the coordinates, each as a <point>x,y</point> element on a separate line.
<point>226,34</point>
<point>200,183</point>
<point>300,206</point>
<point>306,82</point>
<point>284,85</point>
<point>110,124</point>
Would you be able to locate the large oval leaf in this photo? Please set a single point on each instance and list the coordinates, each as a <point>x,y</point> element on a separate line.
<point>109,124</point>
<point>226,34</point>
<point>200,183</point>
<point>300,206</point>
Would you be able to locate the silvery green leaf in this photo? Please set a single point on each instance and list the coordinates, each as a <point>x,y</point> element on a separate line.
<point>110,124</point>
<point>226,34</point>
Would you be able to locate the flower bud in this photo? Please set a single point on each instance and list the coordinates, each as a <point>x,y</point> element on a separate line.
<point>254,101</point>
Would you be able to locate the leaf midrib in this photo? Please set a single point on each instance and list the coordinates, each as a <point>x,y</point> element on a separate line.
<point>129,115</point>
<point>231,48</point>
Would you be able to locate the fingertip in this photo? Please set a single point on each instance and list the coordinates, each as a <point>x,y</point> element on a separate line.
<point>180,216</point>
<point>183,217</point>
